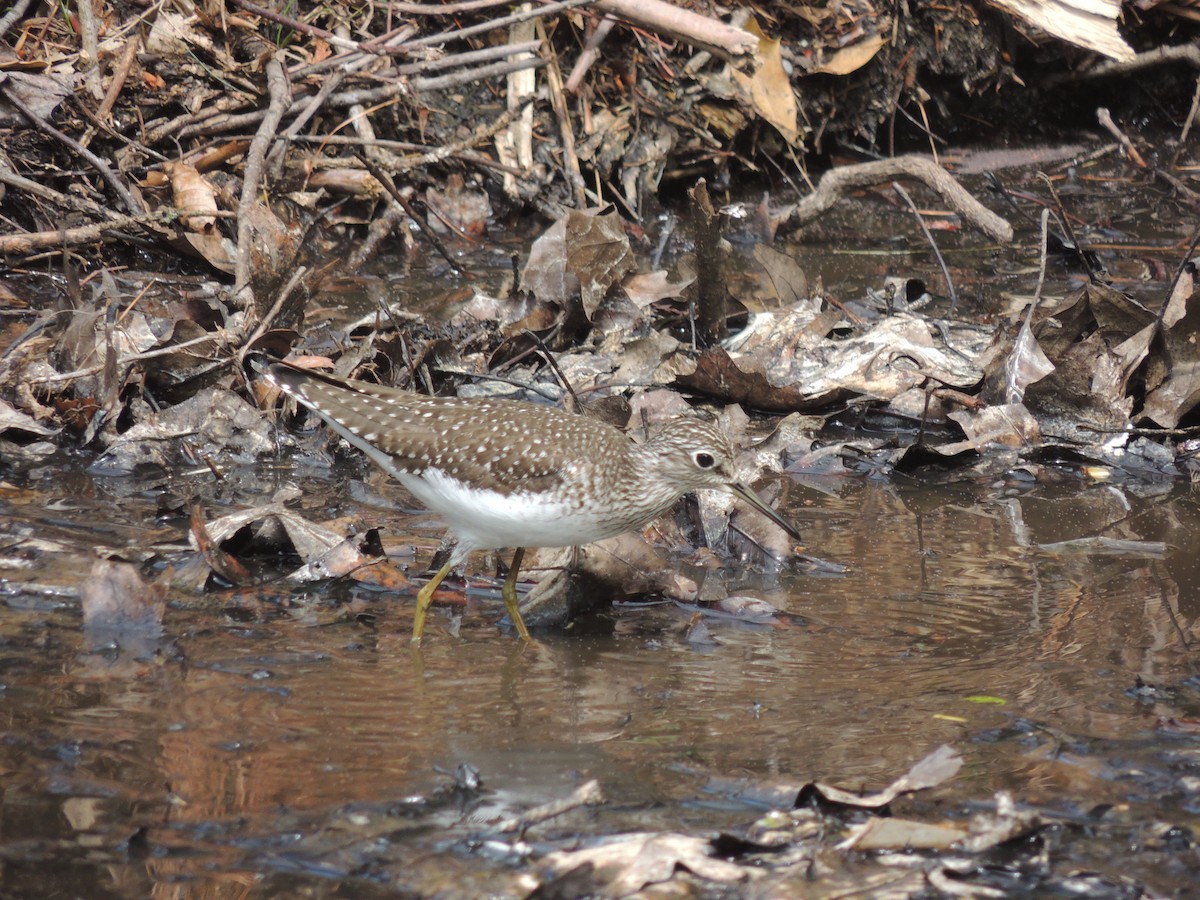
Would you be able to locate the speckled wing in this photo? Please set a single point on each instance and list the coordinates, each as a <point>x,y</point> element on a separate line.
<point>506,445</point>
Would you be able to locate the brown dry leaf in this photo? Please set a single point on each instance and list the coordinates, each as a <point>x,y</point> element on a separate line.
<point>174,35</point>
<point>326,552</point>
<point>1025,365</point>
<point>788,278</point>
<point>578,579</point>
<point>630,863</point>
<point>1009,424</point>
<point>458,208</point>
<point>854,57</point>
<point>650,287</point>
<point>41,93</point>
<point>583,251</point>
<point>215,422</point>
<point>717,375</point>
<point>223,564</point>
<point>988,830</point>
<point>769,88</point>
<point>12,419</point>
<point>901,834</point>
<point>749,609</point>
<point>121,608</point>
<point>1173,368</point>
<point>939,766</point>
<point>192,193</point>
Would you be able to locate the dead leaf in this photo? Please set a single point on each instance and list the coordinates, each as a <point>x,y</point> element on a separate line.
<point>630,863</point>
<point>788,278</point>
<point>650,287</point>
<point>852,58</point>
<point>939,766</point>
<point>901,834</point>
<point>121,608</point>
<point>192,193</point>
<point>1010,424</point>
<point>583,251</point>
<point>717,375</point>
<point>769,87</point>
<point>458,209</point>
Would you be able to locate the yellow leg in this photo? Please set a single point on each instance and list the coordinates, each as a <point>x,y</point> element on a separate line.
<point>509,593</point>
<point>424,599</point>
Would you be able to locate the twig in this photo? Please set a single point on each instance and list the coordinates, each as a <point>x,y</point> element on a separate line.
<point>403,146</point>
<point>96,162</point>
<point>571,399</point>
<point>377,230</point>
<point>1037,294</point>
<point>120,76</point>
<point>468,58</point>
<point>470,76</point>
<point>537,12</point>
<point>1188,53</point>
<point>483,132</point>
<point>1065,221</point>
<point>89,35</point>
<point>589,54</point>
<point>1185,193</point>
<point>837,182</point>
<point>66,201</point>
<point>213,336</point>
<point>1104,117</point>
<point>445,9</point>
<point>10,17</point>
<point>735,45</point>
<point>277,89</point>
<point>304,27</point>
<point>30,242</point>
<point>932,243</point>
<point>351,58</point>
<point>588,794</point>
<point>559,104</point>
<point>1191,116</point>
<point>420,222</point>
<point>265,322</point>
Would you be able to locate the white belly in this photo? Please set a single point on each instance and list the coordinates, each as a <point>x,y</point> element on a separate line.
<point>488,519</point>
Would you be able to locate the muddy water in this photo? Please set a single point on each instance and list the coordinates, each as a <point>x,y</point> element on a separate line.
<point>295,742</point>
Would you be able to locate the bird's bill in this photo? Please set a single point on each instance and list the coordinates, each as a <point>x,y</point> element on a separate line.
<point>744,493</point>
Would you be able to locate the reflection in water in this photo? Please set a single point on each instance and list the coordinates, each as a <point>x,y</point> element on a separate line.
<point>244,736</point>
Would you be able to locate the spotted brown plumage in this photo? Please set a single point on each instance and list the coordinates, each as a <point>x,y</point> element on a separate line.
<point>505,473</point>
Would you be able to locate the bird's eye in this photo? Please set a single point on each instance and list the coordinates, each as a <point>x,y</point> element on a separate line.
<point>705,460</point>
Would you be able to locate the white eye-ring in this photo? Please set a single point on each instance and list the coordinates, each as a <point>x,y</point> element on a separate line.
<point>704,460</point>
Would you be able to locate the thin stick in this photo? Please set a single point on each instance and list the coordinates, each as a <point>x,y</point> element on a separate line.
<point>383,179</point>
<point>96,162</point>
<point>1065,221</point>
<point>304,27</point>
<point>277,89</point>
<point>932,243</point>
<point>10,18</point>
<point>492,24</point>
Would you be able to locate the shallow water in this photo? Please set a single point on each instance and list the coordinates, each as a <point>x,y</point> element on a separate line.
<point>266,735</point>
<point>289,741</point>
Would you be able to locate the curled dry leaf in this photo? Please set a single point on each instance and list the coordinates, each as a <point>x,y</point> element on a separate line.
<point>192,194</point>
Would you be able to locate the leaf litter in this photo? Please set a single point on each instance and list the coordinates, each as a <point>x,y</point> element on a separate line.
<point>147,371</point>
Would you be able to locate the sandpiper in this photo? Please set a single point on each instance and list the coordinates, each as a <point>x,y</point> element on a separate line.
<point>506,473</point>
